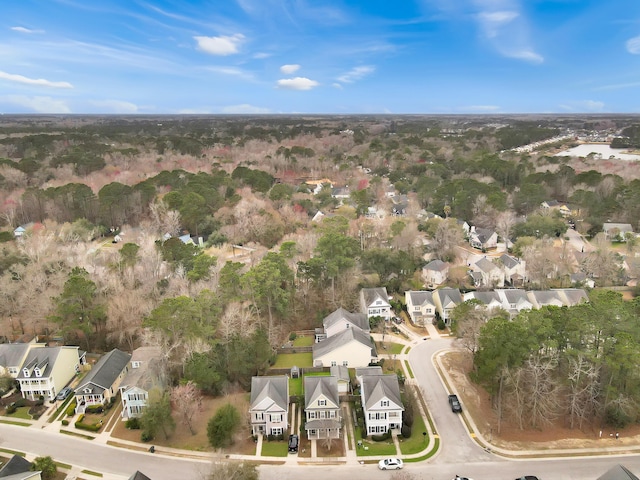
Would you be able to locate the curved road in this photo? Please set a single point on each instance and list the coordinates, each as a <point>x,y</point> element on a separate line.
<point>458,454</point>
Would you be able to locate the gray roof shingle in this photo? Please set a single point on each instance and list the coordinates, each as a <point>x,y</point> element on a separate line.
<point>275,388</point>
<point>340,339</point>
<point>358,319</point>
<point>314,387</point>
<point>379,387</point>
<point>105,371</point>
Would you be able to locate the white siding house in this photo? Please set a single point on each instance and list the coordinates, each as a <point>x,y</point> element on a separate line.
<point>421,306</point>
<point>381,403</point>
<point>145,372</point>
<point>322,407</point>
<point>269,405</point>
<point>375,302</point>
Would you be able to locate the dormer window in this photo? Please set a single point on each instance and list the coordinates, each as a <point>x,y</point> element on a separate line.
<point>26,372</point>
<point>384,403</point>
<point>37,372</point>
<point>322,403</point>
<point>87,390</point>
<point>348,325</point>
<point>135,364</point>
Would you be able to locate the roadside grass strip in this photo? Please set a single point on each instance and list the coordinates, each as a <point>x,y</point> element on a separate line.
<point>406,364</point>
<point>13,452</point>
<point>75,434</point>
<point>95,474</point>
<point>20,424</point>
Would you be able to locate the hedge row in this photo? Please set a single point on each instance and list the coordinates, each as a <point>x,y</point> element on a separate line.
<point>92,427</point>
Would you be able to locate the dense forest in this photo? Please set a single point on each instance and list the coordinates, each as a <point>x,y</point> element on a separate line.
<point>106,203</point>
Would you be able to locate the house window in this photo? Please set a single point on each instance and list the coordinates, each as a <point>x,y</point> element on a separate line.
<point>348,325</point>
<point>384,403</point>
<point>135,364</point>
<point>26,372</point>
<point>311,415</point>
<point>312,432</point>
<point>334,363</point>
<point>322,403</point>
<point>37,372</point>
<point>416,309</point>
<point>260,416</point>
<point>345,363</point>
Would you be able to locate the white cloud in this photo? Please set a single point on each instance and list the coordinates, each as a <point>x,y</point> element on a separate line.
<point>41,82</point>
<point>526,55</point>
<point>493,21</point>
<point>337,85</point>
<point>633,45</point>
<point>297,83</point>
<point>38,104</point>
<point>115,106</point>
<point>243,108</point>
<point>231,71</point>
<point>222,45</point>
<point>356,74</point>
<point>261,55</point>
<point>289,69</point>
<point>25,30</point>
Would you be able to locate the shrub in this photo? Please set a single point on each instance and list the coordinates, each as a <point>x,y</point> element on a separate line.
<point>65,422</point>
<point>94,409</point>
<point>91,427</point>
<point>21,402</point>
<point>292,336</point>
<point>11,408</point>
<point>40,401</point>
<point>71,409</point>
<point>133,424</point>
<point>6,236</point>
<point>441,325</point>
<point>146,436</point>
<point>405,431</point>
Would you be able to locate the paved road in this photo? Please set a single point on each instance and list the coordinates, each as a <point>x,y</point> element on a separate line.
<point>459,454</point>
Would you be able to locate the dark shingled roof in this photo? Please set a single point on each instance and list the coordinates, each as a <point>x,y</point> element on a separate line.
<point>618,473</point>
<point>138,475</point>
<point>360,320</point>
<point>14,466</point>
<point>105,371</point>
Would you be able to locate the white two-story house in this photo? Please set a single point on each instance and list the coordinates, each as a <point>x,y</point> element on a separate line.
<point>374,302</point>
<point>47,370</point>
<point>145,372</point>
<point>322,408</point>
<point>269,405</point>
<point>381,403</point>
<point>446,299</point>
<point>421,306</point>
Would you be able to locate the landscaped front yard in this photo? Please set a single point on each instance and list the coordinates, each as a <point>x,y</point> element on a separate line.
<point>417,442</point>
<point>365,447</point>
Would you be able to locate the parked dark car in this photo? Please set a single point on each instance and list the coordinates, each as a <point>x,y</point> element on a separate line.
<point>293,443</point>
<point>455,404</point>
<point>528,477</point>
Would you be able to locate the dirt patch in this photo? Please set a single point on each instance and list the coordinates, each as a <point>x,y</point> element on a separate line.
<point>182,438</point>
<point>477,404</point>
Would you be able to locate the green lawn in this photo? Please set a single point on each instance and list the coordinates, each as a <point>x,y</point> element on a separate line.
<point>417,442</point>
<point>275,449</point>
<point>21,412</point>
<point>390,348</point>
<point>373,448</point>
<point>303,341</point>
<point>296,384</point>
<point>288,360</point>
<point>406,364</point>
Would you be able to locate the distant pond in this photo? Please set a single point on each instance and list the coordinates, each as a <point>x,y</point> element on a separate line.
<point>601,150</point>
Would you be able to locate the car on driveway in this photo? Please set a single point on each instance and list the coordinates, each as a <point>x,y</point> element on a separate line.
<point>528,477</point>
<point>63,394</point>
<point>390,464</point>
<point>293,443</point>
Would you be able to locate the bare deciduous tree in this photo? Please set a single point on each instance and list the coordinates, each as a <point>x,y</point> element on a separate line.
<point>187,400</point>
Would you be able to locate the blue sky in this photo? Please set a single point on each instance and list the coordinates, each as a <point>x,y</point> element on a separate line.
<point>319,56</point>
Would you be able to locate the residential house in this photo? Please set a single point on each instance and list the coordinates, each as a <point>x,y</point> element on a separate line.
<point>421,306</point>
<point>145,372</point>
<point>616,232</point>
<point>351,347</point>
<point>466,228</point>
<point>561,207</point>
<point>572,296</point>
<point>341,193</point>
<point>490,274</point>
<point>446,299</point>
<point>400,205</point>
<point>47,370</point>
<point>545,298</point>
<point>362,371</point>
<point>374,302</point>
<point>581,278</point>
<point>342,376</point>
<point>12,356</point>
<point>513,268</point>
<point>435,272</point>
<point>101,384</point>
<point>514,301</point>
<point>318,185</point>
<point>322,408</point>
<point>381,403</point>
<point>22,229</point>
<point>269,405</point>
<point>341,319</point>
<point>489,300</point>
<point>138,475</point>
<point>19,468</point>
<point>483,238</point>
<point>618,472</point>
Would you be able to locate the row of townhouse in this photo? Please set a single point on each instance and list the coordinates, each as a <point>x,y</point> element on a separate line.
<point>380,397</point>
<point>44,371</point>
<point>496,272</point>
<point>424,306</point>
